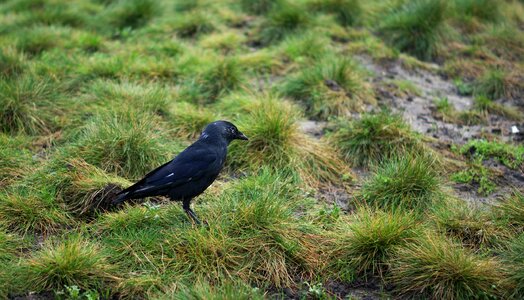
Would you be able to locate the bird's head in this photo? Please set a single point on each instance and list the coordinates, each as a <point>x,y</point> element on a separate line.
<point>223,129</point>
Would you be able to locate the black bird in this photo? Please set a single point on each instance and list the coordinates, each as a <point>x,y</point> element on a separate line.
<point>190,172</point>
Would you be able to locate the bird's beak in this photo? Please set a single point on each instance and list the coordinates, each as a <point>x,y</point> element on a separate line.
<point>242,136</point>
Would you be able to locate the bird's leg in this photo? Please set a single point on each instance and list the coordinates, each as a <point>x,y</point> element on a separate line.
<point>190,212</point>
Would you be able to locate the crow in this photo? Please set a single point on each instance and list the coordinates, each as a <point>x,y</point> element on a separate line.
<point>191,172</point>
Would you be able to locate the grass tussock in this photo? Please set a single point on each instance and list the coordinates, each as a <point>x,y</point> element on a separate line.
<point>513,258</point>
<point>406,182</point>
<point>129,144</point>
<point>276,141</point>
<point>332,87</point>
<point>364,244</point>
<point>416,27</point>
<point>86,189</point>
<point>283,20</point>
<point>510,211</point>
<point>347,12</point>
<point>131,14</point>
<point>71,262</point>
<point>12,63</point>
<point>374,138</point>
<point>435,268</point>
<point>25,104</point>
<point>24,210</point>
<point>188,120</point>
<point>473,226</point>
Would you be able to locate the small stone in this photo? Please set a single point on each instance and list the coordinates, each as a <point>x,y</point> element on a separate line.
<point>514,129</point>
<point>496,130</point>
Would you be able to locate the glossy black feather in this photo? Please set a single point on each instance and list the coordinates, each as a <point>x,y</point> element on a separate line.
<point>192,171</point>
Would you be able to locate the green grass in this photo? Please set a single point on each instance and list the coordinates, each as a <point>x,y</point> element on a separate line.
<point>24,101</point>
<point>73,261</point>
<point>416,27</point>
<point>283,20</point>
<point>514,261</point>
<point>347,12</point>
<point>333,190</point>
<point>470,224</point>
<point>435,268</point>
<point>129,143</point>
<point>365,243</point>
<point>332,87</point>
<point>373,138</point>
<point>406,182</point>
<point>275,140</point>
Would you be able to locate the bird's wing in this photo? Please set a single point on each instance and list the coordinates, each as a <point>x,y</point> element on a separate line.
<point>190,165</point>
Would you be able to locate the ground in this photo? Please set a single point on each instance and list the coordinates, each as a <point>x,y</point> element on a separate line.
<point>385,158</point>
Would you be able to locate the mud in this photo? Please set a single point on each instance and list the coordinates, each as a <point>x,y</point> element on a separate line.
<point>418,109</point>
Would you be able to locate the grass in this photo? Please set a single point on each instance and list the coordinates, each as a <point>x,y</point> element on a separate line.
<point>330,88</point>
<point>27,211</point>
<point>347,12</point>
<point>373,138</point>
<point>24,102</point>
<point>127,143</point>
<point>283,20</point>
<point>469,224</point>
<point>73,261</point>
<point>334,189</point>
<point>435,268</point>
<point>416,27</point>
<point>510,211</point>
<point>405,182</point>
<point>274,136</point>
<point>514,261</point>
<point>366,242</point>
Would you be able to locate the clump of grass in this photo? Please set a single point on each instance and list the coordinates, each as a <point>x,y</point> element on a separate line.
<point>14,158</point>
<point>305,46</point>
<point>374,137</point>
<point>226,42</point>
<point>283,20</point>
<point>150,97</point>
<point>258,7</point>
<point>407,182</point>
<point>10,244</point>
<point>473,226</point>
<point>496,84</point>
<point>131,14</point>
<point>26,210</point>
<point>416,27</point>
<point>34,41</point>
<point>128,143</point>
<point>193,24</point>
<point>204,290</point>
<point>330,88</point>
<point>189,120</point>
<point>275,140</point>
<point>434,268</point>
<point>486,106</point>
<point>219,78</point>
<point>365,243</point>
<point>513,258</point>
<point>71,262</point>
<point>347,12</point>
<point>485,10</point>
<point>24,105</point>
<point>12,63</point>
<point>510,211</point>
<point>85,188</point>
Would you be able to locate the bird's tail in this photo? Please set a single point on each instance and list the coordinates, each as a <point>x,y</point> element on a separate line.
<point>120,198</point>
